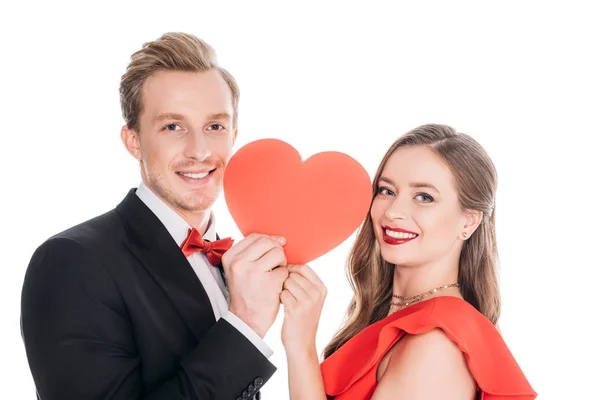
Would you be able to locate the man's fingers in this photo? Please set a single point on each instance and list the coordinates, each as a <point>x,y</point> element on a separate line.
<point>259,248</point>
<point>273,258</point>
<point>243,244</point>
<point>279,275</point>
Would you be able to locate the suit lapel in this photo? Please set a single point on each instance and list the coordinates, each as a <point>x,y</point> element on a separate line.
<point>152,244</point>
<point>221,270</point>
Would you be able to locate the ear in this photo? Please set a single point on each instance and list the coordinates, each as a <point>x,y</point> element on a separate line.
<point>131,140</point>
<point>472,220</point>
<point>235,132</point>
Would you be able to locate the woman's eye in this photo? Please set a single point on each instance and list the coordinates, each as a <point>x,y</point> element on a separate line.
<point>424,197</point>
<point>385,191</point>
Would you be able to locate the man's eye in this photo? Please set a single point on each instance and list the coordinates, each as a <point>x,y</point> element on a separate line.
<point>215,127</point>
<point>172,127</point>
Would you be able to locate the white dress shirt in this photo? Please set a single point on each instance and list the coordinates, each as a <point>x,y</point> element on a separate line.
<point>209,275</point>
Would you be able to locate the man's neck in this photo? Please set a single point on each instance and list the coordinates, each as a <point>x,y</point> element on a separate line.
<point>200,220</point>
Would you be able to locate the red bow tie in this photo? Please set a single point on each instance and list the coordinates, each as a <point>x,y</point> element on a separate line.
<point>214,250</point>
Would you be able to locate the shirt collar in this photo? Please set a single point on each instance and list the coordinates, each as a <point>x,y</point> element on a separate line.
<point>175,224</point>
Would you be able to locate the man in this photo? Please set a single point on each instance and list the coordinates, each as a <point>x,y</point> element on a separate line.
<point>136,303</point>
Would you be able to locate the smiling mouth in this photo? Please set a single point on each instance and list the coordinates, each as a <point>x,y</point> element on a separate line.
<point>397,236</point>
<point>196,176</point>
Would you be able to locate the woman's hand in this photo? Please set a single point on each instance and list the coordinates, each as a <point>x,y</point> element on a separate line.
<point>302,297</point>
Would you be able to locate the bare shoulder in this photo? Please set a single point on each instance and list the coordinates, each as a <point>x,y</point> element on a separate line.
<point>431,345</point>
<point>425,366</point>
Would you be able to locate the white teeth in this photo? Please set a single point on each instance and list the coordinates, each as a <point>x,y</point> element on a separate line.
<point>196,176</point>
<point>400,235</point>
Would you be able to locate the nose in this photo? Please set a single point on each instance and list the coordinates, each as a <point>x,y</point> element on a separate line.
<point>197,146</point>
<point>397,209</point>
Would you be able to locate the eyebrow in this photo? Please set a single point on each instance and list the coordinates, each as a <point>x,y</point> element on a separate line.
<point>411,184</point>
<point>222,115</point>
<point>163,116</point>
<point>169,115</point>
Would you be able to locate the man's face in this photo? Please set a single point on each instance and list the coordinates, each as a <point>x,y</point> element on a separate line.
<point>185,138</point>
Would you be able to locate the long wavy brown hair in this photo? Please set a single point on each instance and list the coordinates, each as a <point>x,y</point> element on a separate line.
<point>371,277</point>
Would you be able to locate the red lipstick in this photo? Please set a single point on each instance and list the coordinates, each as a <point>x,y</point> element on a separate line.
<point>395,240</point>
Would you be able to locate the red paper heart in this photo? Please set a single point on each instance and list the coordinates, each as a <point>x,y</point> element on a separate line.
<point>316,204</point>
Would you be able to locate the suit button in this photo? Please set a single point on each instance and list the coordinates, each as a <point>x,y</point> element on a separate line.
<point>251,388</point>
<point>245,395</point>
<point>258,382</point>
<point>238,398</point>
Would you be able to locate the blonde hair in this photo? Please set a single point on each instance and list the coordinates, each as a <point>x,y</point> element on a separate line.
<point>173,51</point>
<point>371,277</point>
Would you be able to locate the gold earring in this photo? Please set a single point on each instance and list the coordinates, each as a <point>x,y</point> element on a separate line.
<point>465,234</point>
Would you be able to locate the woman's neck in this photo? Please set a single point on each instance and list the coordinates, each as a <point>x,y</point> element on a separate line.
<point>416,280</point>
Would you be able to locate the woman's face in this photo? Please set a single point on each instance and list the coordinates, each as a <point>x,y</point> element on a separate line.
<point>416,213</point>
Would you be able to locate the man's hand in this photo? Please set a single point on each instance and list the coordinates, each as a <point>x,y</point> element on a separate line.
<point>256,269</point>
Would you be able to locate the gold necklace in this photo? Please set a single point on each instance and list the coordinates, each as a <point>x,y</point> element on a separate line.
<point>407,301</point>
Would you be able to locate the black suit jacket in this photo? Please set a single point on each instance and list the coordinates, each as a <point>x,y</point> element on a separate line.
<point>111,309</point>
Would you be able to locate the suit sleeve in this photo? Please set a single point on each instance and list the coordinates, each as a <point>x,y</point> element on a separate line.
<point>80,345</point>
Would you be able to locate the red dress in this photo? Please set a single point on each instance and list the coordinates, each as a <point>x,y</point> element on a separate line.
<point>350,372</point>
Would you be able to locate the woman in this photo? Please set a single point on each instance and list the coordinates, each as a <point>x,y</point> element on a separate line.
<point>421,324</point>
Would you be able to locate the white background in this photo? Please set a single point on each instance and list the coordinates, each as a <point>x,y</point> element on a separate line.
<point>522,78</point>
